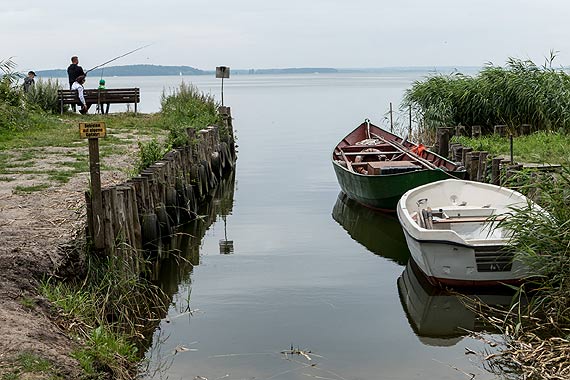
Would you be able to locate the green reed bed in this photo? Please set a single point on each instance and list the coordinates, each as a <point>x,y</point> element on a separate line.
<point>519,93</point>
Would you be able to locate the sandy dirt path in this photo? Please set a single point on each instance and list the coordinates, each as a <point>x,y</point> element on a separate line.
<point>36,229</point>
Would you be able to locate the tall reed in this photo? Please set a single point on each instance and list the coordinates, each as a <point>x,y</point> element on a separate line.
<point>519,93</point>
<point>542,240</point>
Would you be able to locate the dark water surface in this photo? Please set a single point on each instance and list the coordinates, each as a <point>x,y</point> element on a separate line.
<point>309,268</point>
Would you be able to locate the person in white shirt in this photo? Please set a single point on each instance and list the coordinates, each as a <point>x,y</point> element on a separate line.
<point>78,86</point>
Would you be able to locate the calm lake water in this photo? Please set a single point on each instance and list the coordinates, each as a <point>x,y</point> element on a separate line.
<point>309,269</point>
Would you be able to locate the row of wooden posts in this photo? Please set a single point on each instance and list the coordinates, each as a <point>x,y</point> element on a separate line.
<point>476,162</point>
<point>142,213</point>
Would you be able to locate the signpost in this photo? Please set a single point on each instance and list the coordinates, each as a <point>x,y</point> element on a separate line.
<point>222,72</point>
<point>93,131</point>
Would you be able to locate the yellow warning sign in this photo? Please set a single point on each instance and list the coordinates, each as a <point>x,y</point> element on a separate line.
<point>92,130</point>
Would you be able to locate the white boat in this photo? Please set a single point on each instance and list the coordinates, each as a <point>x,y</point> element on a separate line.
<point>454,233</point>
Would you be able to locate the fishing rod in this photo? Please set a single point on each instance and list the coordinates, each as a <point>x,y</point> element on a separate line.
<point>114,59</point>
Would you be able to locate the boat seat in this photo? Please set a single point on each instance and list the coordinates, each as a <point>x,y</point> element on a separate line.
<point>471,219</point>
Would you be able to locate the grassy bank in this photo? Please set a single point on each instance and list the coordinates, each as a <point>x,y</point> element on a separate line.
<point>539,147</point>
<point>104,308</point>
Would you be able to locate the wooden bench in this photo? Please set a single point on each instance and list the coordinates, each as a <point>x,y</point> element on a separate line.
<point>100,97</point>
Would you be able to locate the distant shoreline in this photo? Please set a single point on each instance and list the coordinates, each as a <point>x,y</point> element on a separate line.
<point>156,70</point>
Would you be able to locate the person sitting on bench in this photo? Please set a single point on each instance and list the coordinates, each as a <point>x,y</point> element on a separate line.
<point>99,104</point>
<point>78,86</point>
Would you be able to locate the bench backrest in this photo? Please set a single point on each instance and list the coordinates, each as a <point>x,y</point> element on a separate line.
<point>96,96</point>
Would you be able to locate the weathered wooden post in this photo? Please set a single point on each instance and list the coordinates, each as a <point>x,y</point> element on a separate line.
<point>460,130</point>
<point>482,166</point>
<point>443,135</point>
<point>525,129</point>
<point>496,170</point>
<point>475,131</point>
<point>457,153</point>
<point>500,130</point>
<point>464,153</point>
<point>512,170</point>
<point>472,165</point>
<point>93,131</point>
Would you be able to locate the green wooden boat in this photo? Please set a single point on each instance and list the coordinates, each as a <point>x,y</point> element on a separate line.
<point>375,167</point>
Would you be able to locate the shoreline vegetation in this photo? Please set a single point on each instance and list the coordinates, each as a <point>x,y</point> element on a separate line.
<point>100,324</point>
<point>536,327</point>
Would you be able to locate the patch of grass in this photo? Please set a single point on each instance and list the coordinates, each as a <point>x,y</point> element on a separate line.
<point>31,366</point>
<point>25,155</point>
<point>79,165</point>
<point>61,176</point>
<point>7,179</point>
<point>539,147</point>
<point>149,153</point>
<point>31,189</point>
<point>27,302</point>
<point>108,352</point>
<point>105,312</point>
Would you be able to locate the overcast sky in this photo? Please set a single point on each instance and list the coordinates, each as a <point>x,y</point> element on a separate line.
<point>293,33</point>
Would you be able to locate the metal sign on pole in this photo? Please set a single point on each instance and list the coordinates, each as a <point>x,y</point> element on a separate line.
<point>222,72</point>
<point>93,131</point>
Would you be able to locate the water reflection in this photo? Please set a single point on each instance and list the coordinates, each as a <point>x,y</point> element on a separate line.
<point>175,262</point>
<point>439,318</point>
<point>380,233</point>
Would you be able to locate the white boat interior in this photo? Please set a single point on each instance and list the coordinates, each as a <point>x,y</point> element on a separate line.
<point>466,212</point>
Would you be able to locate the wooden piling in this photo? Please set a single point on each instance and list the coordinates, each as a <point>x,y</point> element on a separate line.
<point>500,130</point>
<point>496,171</point>
<point>464,153</point>
<point>134,213</point>
<point>472,165</point>
<point>475,131</point>
<point>482,172</point>
<point>443,136</point>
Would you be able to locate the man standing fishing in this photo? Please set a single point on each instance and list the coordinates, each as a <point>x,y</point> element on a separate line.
<point>73,72</point>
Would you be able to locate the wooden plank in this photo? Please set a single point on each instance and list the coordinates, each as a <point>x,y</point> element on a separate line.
<point>370,153</point>
<point>472,219</point>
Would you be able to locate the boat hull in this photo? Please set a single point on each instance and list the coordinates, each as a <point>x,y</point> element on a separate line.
<point>383,191</point>
<point>456,265</point>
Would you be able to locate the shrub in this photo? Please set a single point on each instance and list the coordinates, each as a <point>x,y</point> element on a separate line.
<point>44,95</point>
<point>187,107</point>
<point>149,153</point>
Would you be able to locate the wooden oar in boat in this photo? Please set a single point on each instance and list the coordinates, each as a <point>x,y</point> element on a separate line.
<point>407,152</point>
